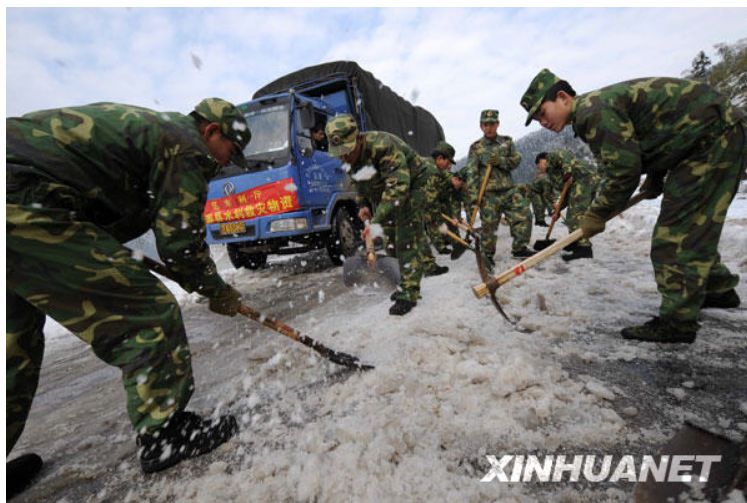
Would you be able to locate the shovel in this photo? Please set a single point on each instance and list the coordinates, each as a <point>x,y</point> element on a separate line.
<point>366,268</point>
<point>726,475</point>
<point>541,244</point>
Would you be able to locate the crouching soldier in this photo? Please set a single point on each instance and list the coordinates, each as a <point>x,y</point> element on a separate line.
<point>563,167</point>
<point>80,182</point>
<point>690,142</point>
<point>442,197</point>
<point>391,176</point>
<point>540,192</point>
<point>501,195</point>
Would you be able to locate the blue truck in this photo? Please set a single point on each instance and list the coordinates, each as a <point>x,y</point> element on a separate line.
<point>294,197</point>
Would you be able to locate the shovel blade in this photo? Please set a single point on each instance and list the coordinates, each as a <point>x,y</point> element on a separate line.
<point>541,244</point>
<point>356,271</point>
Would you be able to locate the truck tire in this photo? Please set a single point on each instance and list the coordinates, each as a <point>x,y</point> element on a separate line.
<point>241,259</point>
<point>343,240</point>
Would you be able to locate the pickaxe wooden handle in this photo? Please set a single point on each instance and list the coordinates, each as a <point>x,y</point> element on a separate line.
<point>483,289</point>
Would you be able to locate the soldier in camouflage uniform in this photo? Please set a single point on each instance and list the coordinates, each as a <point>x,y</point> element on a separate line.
<point>80,182</point>
<point>562,166</point>
<point>540,192</point>
<point>442,197</point>
<point>690,142</point>
<point>501,195</point>
<point>390,176</point>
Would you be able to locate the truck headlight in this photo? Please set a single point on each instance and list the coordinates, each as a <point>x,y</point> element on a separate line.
<point>288,224</point>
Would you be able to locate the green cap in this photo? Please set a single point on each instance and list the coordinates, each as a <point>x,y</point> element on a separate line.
<point>489,116</point>
<point>444,149</point>
<point>231,121</point>
<point>535,93</point>
<point>342,132</point>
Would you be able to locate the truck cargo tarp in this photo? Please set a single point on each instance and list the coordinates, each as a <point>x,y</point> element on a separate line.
<point>385,110</point>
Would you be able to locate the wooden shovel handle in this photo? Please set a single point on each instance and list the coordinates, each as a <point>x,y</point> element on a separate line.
<point>370,251</point>
<point>480,195</point>
<point>556,211</point>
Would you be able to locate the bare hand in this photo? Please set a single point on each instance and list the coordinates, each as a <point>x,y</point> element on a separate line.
<point>364,213</point>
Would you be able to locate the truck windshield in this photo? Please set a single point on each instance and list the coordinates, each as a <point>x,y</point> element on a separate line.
<point>269,127</point>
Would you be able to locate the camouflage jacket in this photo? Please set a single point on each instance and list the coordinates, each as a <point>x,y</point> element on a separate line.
<point>481,153</point>
<point>646,126</point>
<point>562,163</point>
<point>398,170</point>
<point>438,182</point>
<point>541,187</point>
<point>135,169</point>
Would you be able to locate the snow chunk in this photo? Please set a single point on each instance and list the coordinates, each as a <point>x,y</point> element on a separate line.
<point>363,174</point>
<point>600,391</point>
<point>678,393</point>
<point>376,231</point>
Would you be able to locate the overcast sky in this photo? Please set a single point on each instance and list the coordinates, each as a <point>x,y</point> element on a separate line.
<point>454,62</point>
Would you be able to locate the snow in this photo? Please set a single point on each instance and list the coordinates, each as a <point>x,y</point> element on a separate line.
<point>365,173</point>
<point>453,382</point>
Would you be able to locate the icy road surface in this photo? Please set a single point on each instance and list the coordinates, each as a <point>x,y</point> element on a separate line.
<point>453,382</point>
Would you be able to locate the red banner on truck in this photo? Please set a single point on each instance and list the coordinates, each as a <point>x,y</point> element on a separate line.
<point>268,199</point>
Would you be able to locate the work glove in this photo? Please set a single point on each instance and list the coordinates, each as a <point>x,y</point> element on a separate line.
<point>227,301</point>
<point>652,186</point>
<point>591,224</point>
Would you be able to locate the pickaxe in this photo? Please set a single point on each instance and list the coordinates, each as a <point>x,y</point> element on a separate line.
<point>489,286</point>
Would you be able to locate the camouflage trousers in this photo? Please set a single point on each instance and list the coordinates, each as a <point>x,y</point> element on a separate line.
<point>79,275</point>
<point>579,198</point>
<point>539,206</point>
<point>684,248</point>
<point>406,239</point>
<point>515,206</point>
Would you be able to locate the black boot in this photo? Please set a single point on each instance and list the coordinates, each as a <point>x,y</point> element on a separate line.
<point>540,223</point>
<point>185,435</point>
<point>401,307</point>
<point>724,300</point>
<point>579,252</point>
<point>458,251</point>
<point>571,246</point>
<point>437,271</point>
<point>659,330</point>
<point>20,472</point>
<point>522,253</point>
<point>444,251</point>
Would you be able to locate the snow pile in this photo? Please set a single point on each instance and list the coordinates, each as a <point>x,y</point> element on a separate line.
<point>453,380</point>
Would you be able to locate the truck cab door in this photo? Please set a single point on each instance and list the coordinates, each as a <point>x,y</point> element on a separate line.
<point>321,175</point>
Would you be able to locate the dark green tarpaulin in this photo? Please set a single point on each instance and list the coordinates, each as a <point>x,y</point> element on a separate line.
<point>384,109</point>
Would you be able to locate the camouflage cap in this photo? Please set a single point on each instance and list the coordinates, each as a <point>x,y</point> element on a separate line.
<point>444,149</point>
<point>342,132</point>
<point>231,121</point>
<point>535,93</point>
<point>488,116</point>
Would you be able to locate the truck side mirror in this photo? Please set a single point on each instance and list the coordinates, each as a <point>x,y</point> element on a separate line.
<point>305,146</point>
<point>306,116</point>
